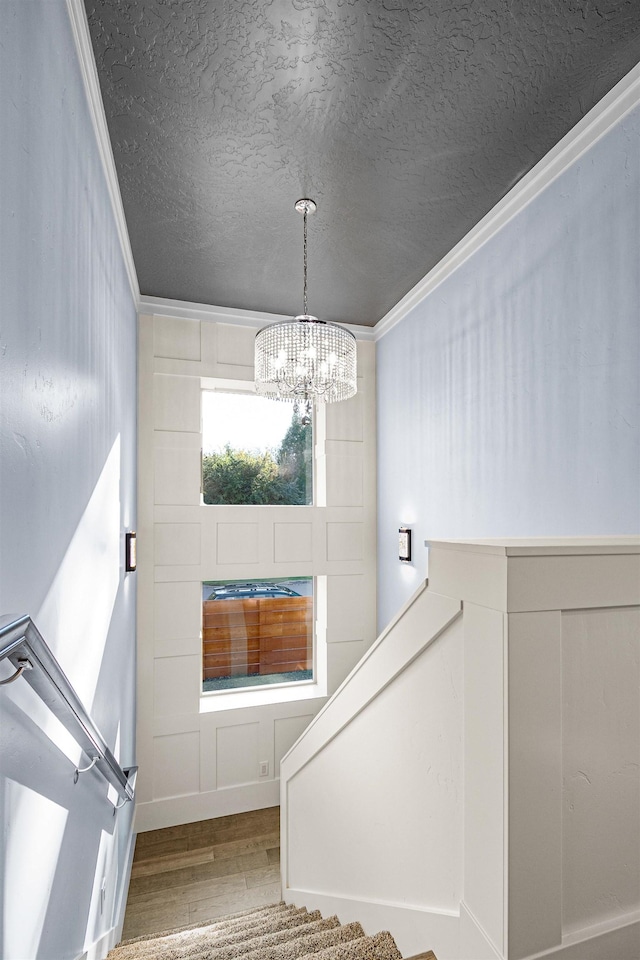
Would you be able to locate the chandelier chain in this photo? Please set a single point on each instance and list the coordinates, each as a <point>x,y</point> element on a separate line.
<point>305,310</point>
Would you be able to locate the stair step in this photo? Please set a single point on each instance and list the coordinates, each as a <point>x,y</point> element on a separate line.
<point>314,945</point>
<point>379,947</point>
<point>268,918</point>
<point>282,944</point>
<point>274,932</point>
<point>301,931</point>
<point>228,919</point>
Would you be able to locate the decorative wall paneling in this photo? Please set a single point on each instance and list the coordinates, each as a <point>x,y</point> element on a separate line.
<point>500,713</point>
<point>199,757</point>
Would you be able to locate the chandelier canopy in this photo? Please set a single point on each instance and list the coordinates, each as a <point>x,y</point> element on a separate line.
<point>306,359</point>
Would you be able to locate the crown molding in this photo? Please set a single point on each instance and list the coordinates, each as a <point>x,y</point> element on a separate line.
<point>184,310</point>
<point>82,38</point>
<point>607,112</point>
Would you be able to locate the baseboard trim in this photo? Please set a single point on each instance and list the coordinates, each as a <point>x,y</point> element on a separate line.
<point>414,930</point>
<point>101,947</point>
<point>474,942</point>
<point>171,811</point>
<point>452,935</point>
<point>123,891</point>
<point>615,940</point>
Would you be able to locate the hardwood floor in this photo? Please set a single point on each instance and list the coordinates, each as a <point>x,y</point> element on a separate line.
<point>200,871</point>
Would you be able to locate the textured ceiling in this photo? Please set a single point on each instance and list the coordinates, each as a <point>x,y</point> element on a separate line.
<point>405,121</point>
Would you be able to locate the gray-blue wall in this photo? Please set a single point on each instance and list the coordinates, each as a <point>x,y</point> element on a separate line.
<point>67,487</point>
<point>508,399</point>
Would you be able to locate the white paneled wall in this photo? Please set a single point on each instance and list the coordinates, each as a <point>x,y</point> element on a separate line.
<point>200,756</point>
<point>474,786</point>
<point>600,764</point>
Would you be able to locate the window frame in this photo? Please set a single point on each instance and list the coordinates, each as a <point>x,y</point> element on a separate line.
<point>292,692</point>
<point>297,690</point>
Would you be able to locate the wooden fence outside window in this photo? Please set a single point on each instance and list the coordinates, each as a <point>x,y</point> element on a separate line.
<point>257,636</point>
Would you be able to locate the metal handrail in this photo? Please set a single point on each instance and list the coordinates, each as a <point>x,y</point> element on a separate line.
<point>23,646</point>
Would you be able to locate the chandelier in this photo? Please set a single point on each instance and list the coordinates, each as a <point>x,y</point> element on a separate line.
<point>306,359</point>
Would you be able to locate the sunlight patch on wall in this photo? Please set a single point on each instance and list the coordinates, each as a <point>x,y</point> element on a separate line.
<point>76,614</point>
<point>33,828</point>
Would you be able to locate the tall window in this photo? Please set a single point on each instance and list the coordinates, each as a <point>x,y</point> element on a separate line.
<point>256,632</point>
<point>255,451</point>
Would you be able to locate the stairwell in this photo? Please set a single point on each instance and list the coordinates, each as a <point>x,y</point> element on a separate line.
<point>275,932</point>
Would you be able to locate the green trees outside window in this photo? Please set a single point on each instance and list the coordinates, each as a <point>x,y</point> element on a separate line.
<point>273,476</point>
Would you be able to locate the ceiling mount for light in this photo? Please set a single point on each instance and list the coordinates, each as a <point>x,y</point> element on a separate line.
<point>306,359</point>
<point>305,205</point>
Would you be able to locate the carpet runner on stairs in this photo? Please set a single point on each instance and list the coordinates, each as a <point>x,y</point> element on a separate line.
<point>277,932</point>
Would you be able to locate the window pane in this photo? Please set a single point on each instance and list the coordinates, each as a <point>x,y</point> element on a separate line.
<point>256,632</point>
<point>255,450</point>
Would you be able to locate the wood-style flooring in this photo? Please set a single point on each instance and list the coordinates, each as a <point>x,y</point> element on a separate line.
<point>200,871</point>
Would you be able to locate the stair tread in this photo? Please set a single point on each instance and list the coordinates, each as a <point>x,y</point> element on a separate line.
<point>225,920</point>
<point>275,938</point>
<point>273,913</point>
<point>379,947</point>
<point>274,932</point>
<point>308,945</point>
<point>267,944</point>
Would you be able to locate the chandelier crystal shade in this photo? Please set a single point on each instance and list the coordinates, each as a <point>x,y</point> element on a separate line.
<point>306,359</point>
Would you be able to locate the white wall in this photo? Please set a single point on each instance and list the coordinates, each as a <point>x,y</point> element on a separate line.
<point>383,800</point>
<point>508,398</point>
<point>67,491</point>
<point>372,793</point>
<point>199,756</point>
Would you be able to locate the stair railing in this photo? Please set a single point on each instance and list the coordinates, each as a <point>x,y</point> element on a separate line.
<point>24,647</point>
